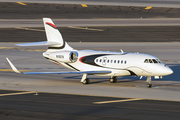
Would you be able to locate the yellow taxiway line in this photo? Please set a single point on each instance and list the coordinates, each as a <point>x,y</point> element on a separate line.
<point>84,5</point>
<point>29,92</point>
<point>10,70</point>
<point>148,7</point>
<point>22,49</point>
<point>21,3</point>
<point>114,101</point>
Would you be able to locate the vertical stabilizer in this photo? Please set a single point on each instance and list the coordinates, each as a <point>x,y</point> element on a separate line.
<point>54,36</point>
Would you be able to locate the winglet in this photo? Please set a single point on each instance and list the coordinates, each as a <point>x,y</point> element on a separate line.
<point>12,66</point>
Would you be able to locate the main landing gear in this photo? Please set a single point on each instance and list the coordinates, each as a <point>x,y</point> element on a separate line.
<point>84,79</point>
<point>113,79</point>
<point>149,85</point>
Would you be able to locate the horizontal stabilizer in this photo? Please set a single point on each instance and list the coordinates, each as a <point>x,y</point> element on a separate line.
<point>73,72</point>
<point>39,43</point>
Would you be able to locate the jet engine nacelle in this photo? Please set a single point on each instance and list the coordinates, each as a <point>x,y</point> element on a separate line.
<point>66,56</point>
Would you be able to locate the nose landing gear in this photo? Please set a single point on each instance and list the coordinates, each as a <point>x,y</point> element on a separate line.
<point>149,85</point>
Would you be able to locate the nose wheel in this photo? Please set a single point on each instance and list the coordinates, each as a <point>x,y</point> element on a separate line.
<point>113,79</point>
<point>149,85</point>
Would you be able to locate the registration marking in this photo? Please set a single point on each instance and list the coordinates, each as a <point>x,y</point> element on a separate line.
<point>29,92</point>
<point>148,7</point>
<point>115,101</point>
<point>84,5</point>
<point>21,3</point>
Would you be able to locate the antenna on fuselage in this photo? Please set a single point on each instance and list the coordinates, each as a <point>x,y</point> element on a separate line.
<point>121,50</point>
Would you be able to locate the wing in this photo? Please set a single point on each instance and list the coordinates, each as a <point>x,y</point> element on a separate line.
<point>73,72</point>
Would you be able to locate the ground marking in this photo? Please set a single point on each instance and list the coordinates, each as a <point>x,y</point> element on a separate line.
<point>148,7</point>
<point>29,92</point>
<point>114,101</point>
<point>5,70</point>
<point>22,49</point>
<point>21,3</point>
<point>86,28</point>
<point>84,5</point>
<point>29,29</point>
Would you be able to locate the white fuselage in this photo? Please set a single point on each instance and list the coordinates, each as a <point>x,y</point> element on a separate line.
<point>120,63</point>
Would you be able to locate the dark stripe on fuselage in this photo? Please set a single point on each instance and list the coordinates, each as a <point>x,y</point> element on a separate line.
<point>65,63</point>
<point>90,59</point>
<point>72,67</point>
<point>132,73</point>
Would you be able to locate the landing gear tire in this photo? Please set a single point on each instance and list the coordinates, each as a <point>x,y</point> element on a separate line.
<point>149,85</point>
<point>86,81</point>
<point>113,80</point>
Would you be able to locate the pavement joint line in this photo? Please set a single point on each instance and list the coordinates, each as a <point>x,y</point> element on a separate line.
<point>84,5</point>
<point>115,101</point>
<point>21,3</point>
<point>86,28</point>
<point>29,92</point>
<point>29,29</point>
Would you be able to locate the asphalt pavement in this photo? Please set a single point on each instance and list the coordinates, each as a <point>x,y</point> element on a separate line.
<point>28,105</point>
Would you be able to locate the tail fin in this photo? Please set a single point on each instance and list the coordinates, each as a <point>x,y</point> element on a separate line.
<point>54,37</point>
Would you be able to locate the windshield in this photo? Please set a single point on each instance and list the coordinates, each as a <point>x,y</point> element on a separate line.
<point>152,61</point>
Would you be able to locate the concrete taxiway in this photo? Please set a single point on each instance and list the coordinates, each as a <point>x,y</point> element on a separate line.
<point>10,23</point>
<point>157,3</point>
<point>96,34</point>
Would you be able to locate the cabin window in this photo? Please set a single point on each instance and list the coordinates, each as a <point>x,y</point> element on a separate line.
<point>111,61</point>
<point>114,61</point>
<point>104,61</point>
<point>121,61</point>
<point>108,61</point>
<point>100,60</point>
<point>125,62</point>
<point>118,61</point>
<point>96,60</point>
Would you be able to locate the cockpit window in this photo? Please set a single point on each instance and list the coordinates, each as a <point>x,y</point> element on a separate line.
<point>155,61</point>
<point>158,61</point>
<point>146,61</point>
<point>152,61</point>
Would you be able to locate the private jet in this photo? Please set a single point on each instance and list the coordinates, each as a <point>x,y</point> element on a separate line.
<point>100,63</point>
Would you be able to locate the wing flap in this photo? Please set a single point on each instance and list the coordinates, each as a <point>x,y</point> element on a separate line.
<point>73,72</point>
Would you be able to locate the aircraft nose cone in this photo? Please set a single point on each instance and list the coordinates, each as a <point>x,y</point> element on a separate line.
<point>167,71</point>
